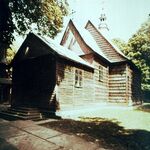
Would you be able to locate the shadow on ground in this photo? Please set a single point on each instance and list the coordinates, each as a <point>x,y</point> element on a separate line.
<point>145,107</point>
<point>107,133</point>
<point>4,145</point>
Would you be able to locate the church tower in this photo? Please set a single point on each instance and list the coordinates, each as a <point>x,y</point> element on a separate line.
<point>103,18</point>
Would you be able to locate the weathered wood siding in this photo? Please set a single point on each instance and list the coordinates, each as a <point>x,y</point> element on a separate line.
<point>65,77</point>
<point>118,84</point>
<point>133,85</point>
<point>68,93</point>
<point>101,87</point>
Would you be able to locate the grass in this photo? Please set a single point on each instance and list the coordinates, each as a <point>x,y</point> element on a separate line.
<point>107,133</point>
<point>112,128</point>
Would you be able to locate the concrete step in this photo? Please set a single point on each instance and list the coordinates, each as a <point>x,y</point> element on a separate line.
<point>11,116</point>
<point>24,110</point>
<point>27,108</point>
<point>21,113</point>
<point>25,113</point>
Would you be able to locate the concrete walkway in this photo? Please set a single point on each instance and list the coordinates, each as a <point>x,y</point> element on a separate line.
<point>26,135</point>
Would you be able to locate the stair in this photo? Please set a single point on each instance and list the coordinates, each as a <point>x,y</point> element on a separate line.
<point>22,113</point>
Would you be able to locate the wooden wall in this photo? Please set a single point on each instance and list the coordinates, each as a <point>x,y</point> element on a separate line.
<point>68,93</point>
<point>101,87</point>
<point>124,84</point>
<point>92,91</point>
<point>133,85</point>
<point>33,82</point>
<point>117,84</point>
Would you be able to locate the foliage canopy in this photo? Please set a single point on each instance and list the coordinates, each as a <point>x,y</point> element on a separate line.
<point>20,15</point>
<point>138,50</point>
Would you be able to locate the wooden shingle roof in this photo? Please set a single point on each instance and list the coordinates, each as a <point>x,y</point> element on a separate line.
<point>86,37</point>
<point>105,46</point>
<point>96,41</point>
<point>52,47</point>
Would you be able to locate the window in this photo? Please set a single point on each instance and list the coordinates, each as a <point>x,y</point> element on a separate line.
<point>72,42</point>
<point>78,78</point>
<point>100,71</point>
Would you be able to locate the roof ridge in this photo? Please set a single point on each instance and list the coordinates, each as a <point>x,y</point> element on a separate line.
<point>84,38</point>
<point>108,41</point>
<point>65,52</point>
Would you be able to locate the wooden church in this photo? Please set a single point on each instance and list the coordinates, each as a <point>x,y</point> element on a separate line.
<point>115,79</point>
<point>83,70</point>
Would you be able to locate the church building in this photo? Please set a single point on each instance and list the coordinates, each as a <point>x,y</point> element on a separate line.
<point>85,69</point>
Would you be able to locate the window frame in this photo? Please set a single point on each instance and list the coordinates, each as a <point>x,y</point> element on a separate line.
<point>100,73</point>
<point>78,78</point>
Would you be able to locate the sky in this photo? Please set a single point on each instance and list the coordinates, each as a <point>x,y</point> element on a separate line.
<point>124,17</point>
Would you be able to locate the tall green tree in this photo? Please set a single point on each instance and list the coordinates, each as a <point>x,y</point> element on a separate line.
<point>138,50</point>
<point>20,15</point>
<point>121,44</point>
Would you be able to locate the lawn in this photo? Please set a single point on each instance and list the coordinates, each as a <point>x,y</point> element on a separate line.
<point>112,128</point>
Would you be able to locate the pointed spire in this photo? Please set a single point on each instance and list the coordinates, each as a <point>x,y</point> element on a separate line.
<point>103,18</point>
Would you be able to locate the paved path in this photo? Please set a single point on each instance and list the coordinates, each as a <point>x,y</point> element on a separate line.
<point>26,135</point>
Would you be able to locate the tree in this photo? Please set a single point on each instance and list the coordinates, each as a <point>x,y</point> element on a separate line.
<point>10,53</point>
<point>122,45</point>
<point>138,50</point>
<point>20,15</point>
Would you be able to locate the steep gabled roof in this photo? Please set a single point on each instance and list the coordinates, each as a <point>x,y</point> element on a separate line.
<point>86,38</point>
<point>56,49</point>
<point>89,40</point>
<point>98,44</point>
<point>64,52</point>
<point>111,53</point>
